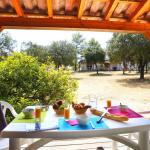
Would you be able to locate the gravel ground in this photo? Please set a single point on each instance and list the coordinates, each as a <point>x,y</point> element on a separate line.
<point>127,89</point>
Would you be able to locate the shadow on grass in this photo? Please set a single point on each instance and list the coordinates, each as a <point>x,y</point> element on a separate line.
<point>130,74</point>
<point>101,74</point>
<point>133,83</point>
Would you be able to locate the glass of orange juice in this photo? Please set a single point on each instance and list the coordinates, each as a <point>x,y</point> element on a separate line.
<point>67,113</point>
<point>38,113</point>
<point>108,103</point>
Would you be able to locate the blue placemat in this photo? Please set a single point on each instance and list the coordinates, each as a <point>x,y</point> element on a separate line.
<point>63,125</point>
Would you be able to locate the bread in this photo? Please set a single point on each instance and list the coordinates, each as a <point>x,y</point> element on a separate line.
<point>109,116</point>
<point>80,108</point>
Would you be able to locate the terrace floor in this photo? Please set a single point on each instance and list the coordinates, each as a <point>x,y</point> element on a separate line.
<point>80,144</point>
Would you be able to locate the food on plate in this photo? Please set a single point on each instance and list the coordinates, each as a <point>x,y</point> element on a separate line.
<point>80,108</point>
<point>58,107</point>
<point>109,116</point>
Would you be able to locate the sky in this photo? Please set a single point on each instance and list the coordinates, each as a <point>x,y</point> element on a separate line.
<point>45,37</point>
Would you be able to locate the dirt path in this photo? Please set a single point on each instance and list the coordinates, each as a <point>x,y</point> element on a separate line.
<point>115,86</point>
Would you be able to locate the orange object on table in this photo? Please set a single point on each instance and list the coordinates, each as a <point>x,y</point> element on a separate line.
<point>66,113</point>
<point>38,112</point>
<point>108,103</point>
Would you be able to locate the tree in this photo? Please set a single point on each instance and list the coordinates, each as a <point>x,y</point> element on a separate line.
<point>119,49</point>
<point>21,76</point>
<point>35,50</point>
<point>62,53</point>
<point>141,49</point>
<point>133,48</point>
<point>94,53</point>
<point>79,43</point>
<point>7,44</point>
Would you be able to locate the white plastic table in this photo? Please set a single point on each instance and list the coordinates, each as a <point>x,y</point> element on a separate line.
<point>14,131</point>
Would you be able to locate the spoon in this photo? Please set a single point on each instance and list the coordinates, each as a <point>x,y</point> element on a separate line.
<point>102,116</point>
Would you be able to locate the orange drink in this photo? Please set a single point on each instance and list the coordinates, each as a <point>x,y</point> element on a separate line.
<point>38,112</point>
<point>66,113</point>
<point>108,103</point>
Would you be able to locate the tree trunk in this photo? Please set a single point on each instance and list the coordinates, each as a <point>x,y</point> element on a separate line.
<point>146,67</point>
<point>96,69</point>
<point>139,68</point>
<point>142,72</point>
<point>75,66</point>
<point>124,66</point>
<point>142,66</point>
<point>79,67</point>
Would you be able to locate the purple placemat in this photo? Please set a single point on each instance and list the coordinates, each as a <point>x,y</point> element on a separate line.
<point>129,112</point>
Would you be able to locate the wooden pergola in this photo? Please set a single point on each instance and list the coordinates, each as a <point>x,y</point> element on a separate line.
<point>101,15</point>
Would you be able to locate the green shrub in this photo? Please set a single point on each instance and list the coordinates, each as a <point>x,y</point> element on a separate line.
<point>23,81</point>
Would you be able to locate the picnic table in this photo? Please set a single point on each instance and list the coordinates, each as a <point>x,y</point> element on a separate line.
<point>53,127</point>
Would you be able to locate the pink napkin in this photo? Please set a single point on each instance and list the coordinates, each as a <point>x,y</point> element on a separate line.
<point>129,112</point>
<point>73,122</point>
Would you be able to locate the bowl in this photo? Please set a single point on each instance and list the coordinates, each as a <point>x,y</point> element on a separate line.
<point>80,111</point>
<point>123,108</point>
<point>82,119</point>
<point>45,107</point>
<point>59,111</point>
<point>28,113</point>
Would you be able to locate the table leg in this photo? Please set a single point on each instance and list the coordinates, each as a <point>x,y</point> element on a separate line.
<point>144,140</point>
<point>14,144</point>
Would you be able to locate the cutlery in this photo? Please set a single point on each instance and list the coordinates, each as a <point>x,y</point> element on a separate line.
<point>101,117</point>
<point>92,125</point>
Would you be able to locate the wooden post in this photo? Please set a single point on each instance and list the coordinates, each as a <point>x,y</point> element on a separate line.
<point>1,28</point>
<point>147,35</point>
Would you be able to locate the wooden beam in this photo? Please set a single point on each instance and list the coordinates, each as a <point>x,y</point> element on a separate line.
<point>17,6</point>
<point>113,4</point>
<point>50,8</point>
<point>73,24</point>
<point>140,10</point>
<point>147,35</point>
<point>81,8</point>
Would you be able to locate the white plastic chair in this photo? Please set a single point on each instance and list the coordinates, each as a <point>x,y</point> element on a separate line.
<point>5,142</point>
<point>6,106</point>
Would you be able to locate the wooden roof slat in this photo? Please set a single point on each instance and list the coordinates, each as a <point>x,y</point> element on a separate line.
<point>17,6</point>
<point>50,23</point>
<point>69,4</point>
<point>50,8</point>
<point>113,4</point>
<point>140,10</point>
<point>81,8</point>
<point>130,2</point>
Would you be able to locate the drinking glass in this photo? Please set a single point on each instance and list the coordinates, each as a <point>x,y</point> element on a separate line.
<point>67,113</point>
<point>108,103</point>
<point>93,101</point>
<point>38,113</point>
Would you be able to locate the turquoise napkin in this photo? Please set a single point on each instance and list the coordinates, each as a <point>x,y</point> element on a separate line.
<point>63,125</point>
